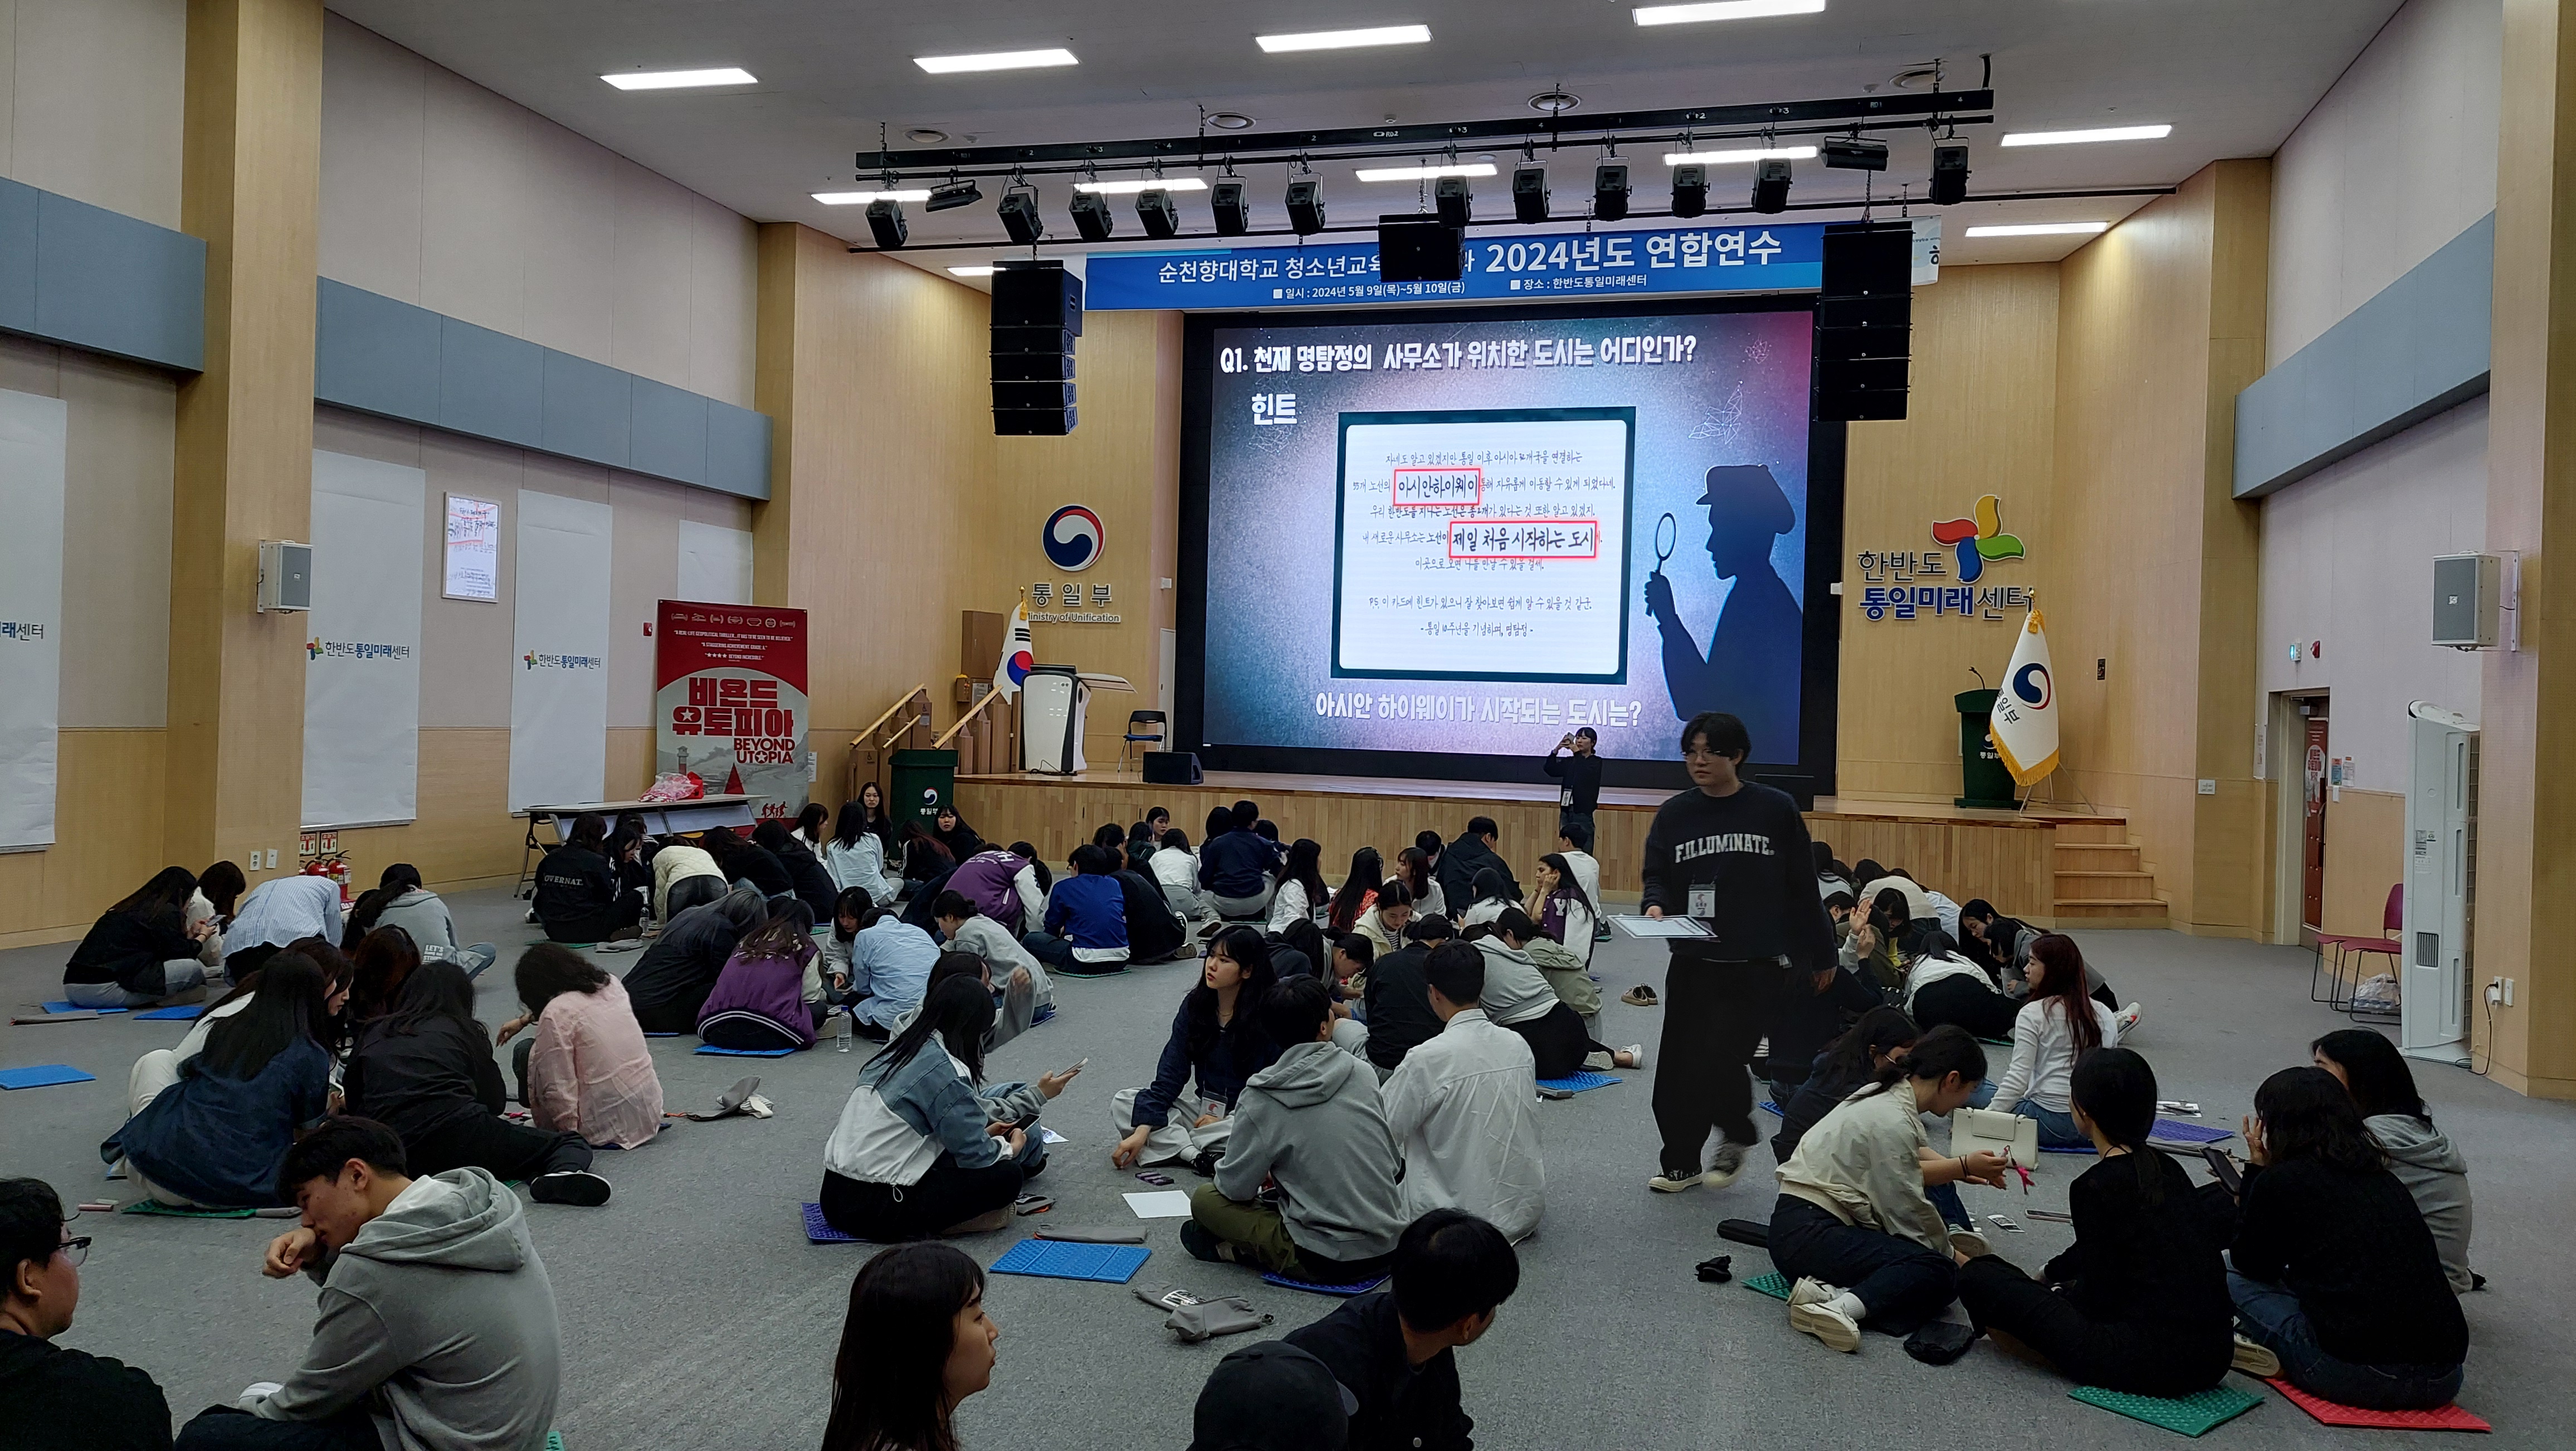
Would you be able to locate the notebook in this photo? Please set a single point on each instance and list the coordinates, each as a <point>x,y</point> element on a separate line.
<point>2008,1134</point>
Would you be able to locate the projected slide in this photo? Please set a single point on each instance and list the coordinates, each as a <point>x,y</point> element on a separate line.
<point>1490,545</point>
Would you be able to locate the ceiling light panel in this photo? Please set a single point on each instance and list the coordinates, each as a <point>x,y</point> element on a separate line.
<point>680,80</point>
<point>1424,173</point>
<point>862,198</point>
<point>1723,10</point>
<point>1724,158</point>
<point>2041,229</point>
<point>2078,138</point>
<point>1347,39</point>
<point>1130,188</point>
<point>972,271</point>
<point>1000,60</point>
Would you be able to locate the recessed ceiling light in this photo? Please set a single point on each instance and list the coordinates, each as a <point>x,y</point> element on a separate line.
<point>1722,10</point>
<point>680,80</point>
<point>862,198</point>
<point>925,136</point>
<point>2075,138</point>
<point>985,271</point>
<point>1555,103</point>
<point>1000,60</point>
<point>1728,158</point>
<point>1424,173</point>
<point>1346,39</point>
<point>1229,120</point>
<point>2041,229</point>
<point>1130,188</point>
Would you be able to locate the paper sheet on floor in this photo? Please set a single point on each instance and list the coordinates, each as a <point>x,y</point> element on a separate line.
<point>1048,1135</point>
<point>1160,1204</point>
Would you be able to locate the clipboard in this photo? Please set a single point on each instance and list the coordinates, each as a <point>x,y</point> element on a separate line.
<point>1661,926</point>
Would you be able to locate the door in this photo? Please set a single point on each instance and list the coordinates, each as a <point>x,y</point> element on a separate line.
<point>2312,850</point>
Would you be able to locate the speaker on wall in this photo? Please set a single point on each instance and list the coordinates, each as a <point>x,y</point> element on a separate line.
<point>1172,768</point>
<point>1864,321</point>
<point>1037,313</point>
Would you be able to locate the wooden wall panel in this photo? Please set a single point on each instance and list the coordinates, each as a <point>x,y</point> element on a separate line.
<point>109,790</point>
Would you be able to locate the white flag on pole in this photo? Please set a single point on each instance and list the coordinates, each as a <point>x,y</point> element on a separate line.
<point>2024,722</point>
<point>1018,654</point>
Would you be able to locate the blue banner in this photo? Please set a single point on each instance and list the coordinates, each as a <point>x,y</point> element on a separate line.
<point>1553,266</point>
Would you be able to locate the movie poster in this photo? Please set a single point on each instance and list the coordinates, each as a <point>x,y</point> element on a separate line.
<point>729,700</point>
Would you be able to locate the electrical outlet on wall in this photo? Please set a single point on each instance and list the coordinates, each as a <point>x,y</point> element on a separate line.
<point>2508,992</point>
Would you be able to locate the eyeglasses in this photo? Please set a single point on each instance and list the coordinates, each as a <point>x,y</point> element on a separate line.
<point>1704,757</point>
<point>75,1250</point>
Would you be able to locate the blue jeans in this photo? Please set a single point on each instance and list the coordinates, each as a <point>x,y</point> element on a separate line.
<point>2273,1318</point>
<point>1945,1197</point>
<point>2056,1130</point>
<point>1902,1284</point>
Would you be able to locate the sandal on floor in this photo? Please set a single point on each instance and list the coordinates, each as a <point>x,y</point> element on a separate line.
<point>1640,996</point>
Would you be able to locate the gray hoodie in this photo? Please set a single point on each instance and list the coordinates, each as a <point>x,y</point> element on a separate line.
<point>1313,1122</point>
<point>2422,1158</point>
<point>1515,990</point>
<point>442,1304</point>
<point>424,915</point>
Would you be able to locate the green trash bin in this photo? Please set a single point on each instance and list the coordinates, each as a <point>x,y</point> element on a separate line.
<point>1984,780</point>
<point>925,782</point>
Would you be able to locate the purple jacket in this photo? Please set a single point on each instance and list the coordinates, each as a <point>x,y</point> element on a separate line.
<point>773,987</point>
<point>985,880</point>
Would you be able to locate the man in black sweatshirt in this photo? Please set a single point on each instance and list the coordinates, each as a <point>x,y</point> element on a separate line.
<point>1734,856</point>
<point>1395,1350</point>
<point>1471,853</point>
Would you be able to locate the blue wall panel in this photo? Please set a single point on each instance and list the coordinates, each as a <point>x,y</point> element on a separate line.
<point>374,354</point>
<point>670,432</point>
<point>586,407</point>
<point>737,450</point>
<point>91,278</point>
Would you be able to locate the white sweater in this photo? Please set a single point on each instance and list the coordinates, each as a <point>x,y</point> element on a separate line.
<point>2043,1061</point>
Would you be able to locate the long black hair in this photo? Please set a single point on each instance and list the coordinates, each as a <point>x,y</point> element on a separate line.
<point>2117,1091</point>
<point>1308,940</point>
<point>434,990</point>
<point>292,1001</point>
<point>960,1011</point>
<point>851,824</point>
<point>1567,882</point>
<point>2307,1115</point>
<point>1368,873</point>
<point>1939,1053</point>
<point>1413,868</point>
<point>168,891</point>
<point>589,832</point>
<point>889,1384</point>
<point>789,934</point>
<point>1249,951</point>
<point>1854,1056</point>
<point>1306,868</point>
<point>2375,1073</point>
<point>223,885</point>
<point>381,965</point>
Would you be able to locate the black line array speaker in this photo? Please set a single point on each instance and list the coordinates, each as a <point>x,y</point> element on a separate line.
<point>1420,249</point>
<point>1865,321</point>
<point>1171,768</point>
<point>1037,313</point>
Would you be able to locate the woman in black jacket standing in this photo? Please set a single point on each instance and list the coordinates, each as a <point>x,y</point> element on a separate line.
<point>578,897</point>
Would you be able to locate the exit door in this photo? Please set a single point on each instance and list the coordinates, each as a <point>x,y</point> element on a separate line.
<point>2312,850</point>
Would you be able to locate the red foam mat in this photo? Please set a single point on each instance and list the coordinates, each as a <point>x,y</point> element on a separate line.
<point>2448,1418</point>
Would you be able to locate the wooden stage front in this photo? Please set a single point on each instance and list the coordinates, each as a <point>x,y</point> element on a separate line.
<point>2009,858</point>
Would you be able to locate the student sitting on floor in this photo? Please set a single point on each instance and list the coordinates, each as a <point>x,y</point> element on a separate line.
<point>758,1001</point>
<point>1301,894</point>
<point>1574,843</point>
<point>855,855</point>
<point>1217,1042</point>
<point>1176,871</point>
<point>585,1069</point>
<point>1568,914</point>
<point>1396,1353</point>
<point>279,911</point>
<point>1413,869</point>
<point>331,1028</point>
<point>211,1132</point>
<point>1999,944</point>
<point>1852,1226</point>
<point>2059,1024</point>
<point>953,833</point>
<point>435,1309</point>
<point>2139,1302</point>
<point>401,901</point>
<point>2420,1155</point>
<point>1003,885</point>
<point>670,982</point>
<point>810,828</point>
<point>1086,920</point>
<point>813,885</point>
<point>579,898</point>
<point>1869,949</point>
<point>1384,924</point>
<point>1236,866</point>
<point>1492,898</point>
<point>685,875</point>
<point>1013,969</point>
<point>219,891</point>
<point>1154,933</point>
<point>1311,1126</point>
<point>1471,853</point>
<point>1464,1110</point>
<point>889,967</point>
<point>1851,1063</point>
<point>426,1072</point>
<point>141,951</point>
<point>1270,1396</point>
<point>1569,980</point>
<point>1347,977</point>
<point>2335,1271</point>
<point>1356,899</point>
<point>60,1399</point>
<point>744,860</point>
<point>924,860</point>
<point>1944,986</point>
<point>911,1155</point>
<point>1398,998</point>
<point>916,1342</point>
<point>384,960</point>
<point>1815,1008</point>
<point>1517,997</point>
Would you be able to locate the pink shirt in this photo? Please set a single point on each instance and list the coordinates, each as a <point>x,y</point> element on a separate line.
<point>590,1071</point>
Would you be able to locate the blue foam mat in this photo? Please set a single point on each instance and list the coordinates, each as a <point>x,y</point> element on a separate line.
<point>1110,1264</point>
<point>1772,1109</point>
<point>819,1230</point>
<point>43,1075</point>
<point>710,1048</point>
<point>661,1035</point>
<point>1357,1287</point>
<point>77,1008</point>
<point>1578,1082</point>
<point>186,1013</point>
<point>2183,1131</point>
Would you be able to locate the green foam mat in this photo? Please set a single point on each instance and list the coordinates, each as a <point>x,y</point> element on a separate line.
<point>2192,1415</point>
<point>554,1441</point>
<point>1775,1284</point>
<point>154,1206</point>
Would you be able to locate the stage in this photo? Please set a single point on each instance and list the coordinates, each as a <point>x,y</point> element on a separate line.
<point>2012,859</point>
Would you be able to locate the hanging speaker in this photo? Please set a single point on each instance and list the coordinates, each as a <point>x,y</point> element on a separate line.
<point>1864,321</point>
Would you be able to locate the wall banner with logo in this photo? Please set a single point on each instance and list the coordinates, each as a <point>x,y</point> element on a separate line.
<point>729,700</point>
<point>32,433</point>
<point>559,683</point>
<point>362,643</point>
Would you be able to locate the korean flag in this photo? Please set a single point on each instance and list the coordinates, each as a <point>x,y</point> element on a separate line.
<point>2024,723</point>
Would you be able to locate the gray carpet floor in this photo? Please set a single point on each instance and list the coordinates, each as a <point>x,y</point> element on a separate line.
<point>696,1315</point>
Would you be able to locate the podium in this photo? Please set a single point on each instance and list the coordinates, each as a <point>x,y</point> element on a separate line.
<point>1054,701</point>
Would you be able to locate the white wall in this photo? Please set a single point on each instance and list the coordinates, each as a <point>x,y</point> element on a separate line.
<point>2347,561</point>
<point>91,101</point>
<point>2397,159</point>
<point>442,194</point>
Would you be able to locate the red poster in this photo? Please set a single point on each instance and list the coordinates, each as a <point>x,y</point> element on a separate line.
<point>729,700</point>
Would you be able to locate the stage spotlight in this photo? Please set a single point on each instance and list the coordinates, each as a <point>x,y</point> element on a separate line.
<point>1233,209</point>
<point>1161,218</point>
<point>885,219</point>
<point>1529,194</point>
<point>1690,190</point>
<point>1456,204</point>
<point>1851,153</point>
<point>954,194</point>
<point>1019,209</point>
<point>1091,216</point>
<point>1305,206</point>
<point>1610,191</point>
<point>1771,185</point>
<point>1949,173</point>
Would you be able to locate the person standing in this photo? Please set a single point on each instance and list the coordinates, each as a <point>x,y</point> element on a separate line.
<point>1734,856</point>
<point>1581,773</point>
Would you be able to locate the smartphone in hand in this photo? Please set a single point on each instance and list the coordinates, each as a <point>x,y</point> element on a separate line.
<point>2224,1167</point>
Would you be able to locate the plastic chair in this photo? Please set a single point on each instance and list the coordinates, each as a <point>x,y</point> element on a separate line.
<point>1136,735</point>
<point>2349,950</point>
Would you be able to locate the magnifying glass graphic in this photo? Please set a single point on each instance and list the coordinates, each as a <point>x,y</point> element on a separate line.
<point>1667,533</point>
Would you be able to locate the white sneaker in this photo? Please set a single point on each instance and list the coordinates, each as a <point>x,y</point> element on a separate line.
<point>1812,1312</point>
<point>1636,1053</point>
<point>1724,1165</point>
<point>1970,1243</point>
<point>2129,1019</point>
<point>2255,1360</point>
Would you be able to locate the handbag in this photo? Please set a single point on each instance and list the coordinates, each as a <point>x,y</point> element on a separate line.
<point>2008,1134</point>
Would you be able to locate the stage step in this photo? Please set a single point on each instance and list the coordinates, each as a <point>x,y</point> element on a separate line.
<point>2097,856</point>
<point>2146,912</point>
<point>2092,830</point>
<point>2103,886</point>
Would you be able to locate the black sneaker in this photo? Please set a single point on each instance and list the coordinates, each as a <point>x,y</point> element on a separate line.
<point>1205,1164</point>
<point>569,1186</point>
<point>1668,1181</point>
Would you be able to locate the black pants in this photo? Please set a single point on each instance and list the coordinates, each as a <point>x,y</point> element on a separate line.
<point>510,1151</point>
<point>891,1213</point>
<point>1557,1040</point>
<point>2140,1358</point>
<point>1714,1015</point>
<point>1969,1003</point>
<point>1903,1285</point>
<point>597,926</point>
<point>679,1015</point>
<point>228,1428</point>
<point>690,892</point>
